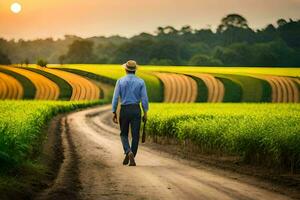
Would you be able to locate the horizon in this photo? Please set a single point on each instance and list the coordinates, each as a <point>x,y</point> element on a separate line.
<point>58,18</point>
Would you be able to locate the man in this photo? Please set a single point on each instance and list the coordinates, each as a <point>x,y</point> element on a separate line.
<point>132,91</point>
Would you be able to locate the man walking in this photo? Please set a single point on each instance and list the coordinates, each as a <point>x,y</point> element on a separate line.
<point>132,91</point>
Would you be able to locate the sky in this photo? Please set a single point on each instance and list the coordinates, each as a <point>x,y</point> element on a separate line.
<point>86,18</point>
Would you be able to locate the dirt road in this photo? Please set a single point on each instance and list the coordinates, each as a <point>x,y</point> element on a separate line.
<point>92,169</point>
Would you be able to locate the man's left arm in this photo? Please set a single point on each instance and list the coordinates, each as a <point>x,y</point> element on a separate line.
<point>145,101</point>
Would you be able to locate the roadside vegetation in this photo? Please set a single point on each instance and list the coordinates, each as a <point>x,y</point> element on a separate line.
<point>259,134</point>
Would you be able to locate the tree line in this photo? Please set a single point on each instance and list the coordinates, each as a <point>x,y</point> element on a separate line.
<point>234,43</point>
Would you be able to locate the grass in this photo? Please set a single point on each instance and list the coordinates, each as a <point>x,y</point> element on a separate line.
<point>29,88</point>
<point>262,134</point>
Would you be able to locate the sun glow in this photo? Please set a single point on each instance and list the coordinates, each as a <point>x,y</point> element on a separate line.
<point>16,7</point>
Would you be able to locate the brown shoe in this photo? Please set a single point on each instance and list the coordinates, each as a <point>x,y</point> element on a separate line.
<point>131,159</point>
<point>126,160</point>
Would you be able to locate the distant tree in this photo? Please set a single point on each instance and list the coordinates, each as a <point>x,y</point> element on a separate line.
<point>138,49</point>
<point>267,34</point>
<point>206,36</point>
<point>62,59</point>
<point>26,61</point>
<point>166,49</point>
<point>4,59</point>
<point>161,62</point>
<point>42,63</point>
<point>226,56</point>
<point>232,20</point>
<point>281,22</point>
<point>81,51</point>
<point>275,53</point>
<point>290,33</point>
<point>186,30</point>
<point>204,60</point>
<point>160,31</point>
<point>170,30</point>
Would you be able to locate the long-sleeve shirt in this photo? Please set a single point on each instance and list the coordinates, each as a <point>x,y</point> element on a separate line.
<point>131,90</point>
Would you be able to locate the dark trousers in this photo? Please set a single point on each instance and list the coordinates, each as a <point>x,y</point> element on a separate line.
<point>130,115</point>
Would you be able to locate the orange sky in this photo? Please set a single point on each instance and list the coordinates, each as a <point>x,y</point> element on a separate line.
<point>45,18</point>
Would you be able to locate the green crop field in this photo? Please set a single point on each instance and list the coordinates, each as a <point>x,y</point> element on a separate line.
<point>21,123</point>
<point>260,133</point>
<point>293,72</point>
<point>114,71</point>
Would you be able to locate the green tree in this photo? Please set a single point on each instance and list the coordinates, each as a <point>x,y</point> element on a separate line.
<point>4,59</point>
<point>81,51</point>
<point>166,49</point>
<point>161,62</point>
<point>232,20</point>
<point>204,60</point>
<point>281,22</point>
<point>26,61</point>
<point>42,63</point>
<point>62,59</point>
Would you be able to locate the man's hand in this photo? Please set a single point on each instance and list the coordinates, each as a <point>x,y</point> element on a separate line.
<point>145,117</point>
<point>115,118</point>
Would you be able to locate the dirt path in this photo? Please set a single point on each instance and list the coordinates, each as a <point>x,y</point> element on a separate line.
<point>92,169</point>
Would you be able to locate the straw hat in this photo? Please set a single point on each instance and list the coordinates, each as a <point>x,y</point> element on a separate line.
<point>130,65</point>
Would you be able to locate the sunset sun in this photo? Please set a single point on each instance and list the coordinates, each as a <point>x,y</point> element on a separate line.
<point>16,7</point>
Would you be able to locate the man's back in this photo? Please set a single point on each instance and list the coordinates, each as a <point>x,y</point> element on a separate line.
<point>132,90</point>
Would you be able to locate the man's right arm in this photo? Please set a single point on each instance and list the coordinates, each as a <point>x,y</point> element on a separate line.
<point>115,97</point>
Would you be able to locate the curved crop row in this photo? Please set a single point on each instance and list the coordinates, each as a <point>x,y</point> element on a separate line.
<point>109,74</point>
<point>215,87</point>
<point>178,88</point>
<point>82,89</point>
<point>284,89</point>
<point>45,88</point>
<point>10,88</point>
<point>27,85</point>
<point>65,89</point>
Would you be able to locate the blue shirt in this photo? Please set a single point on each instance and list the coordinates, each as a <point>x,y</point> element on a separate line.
<point>132,90</point>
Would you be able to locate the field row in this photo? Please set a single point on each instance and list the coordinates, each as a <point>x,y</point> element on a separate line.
<point>264,134</point>
<point>83,82</point>
<point>175,84</point>
<point>47,84</point>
